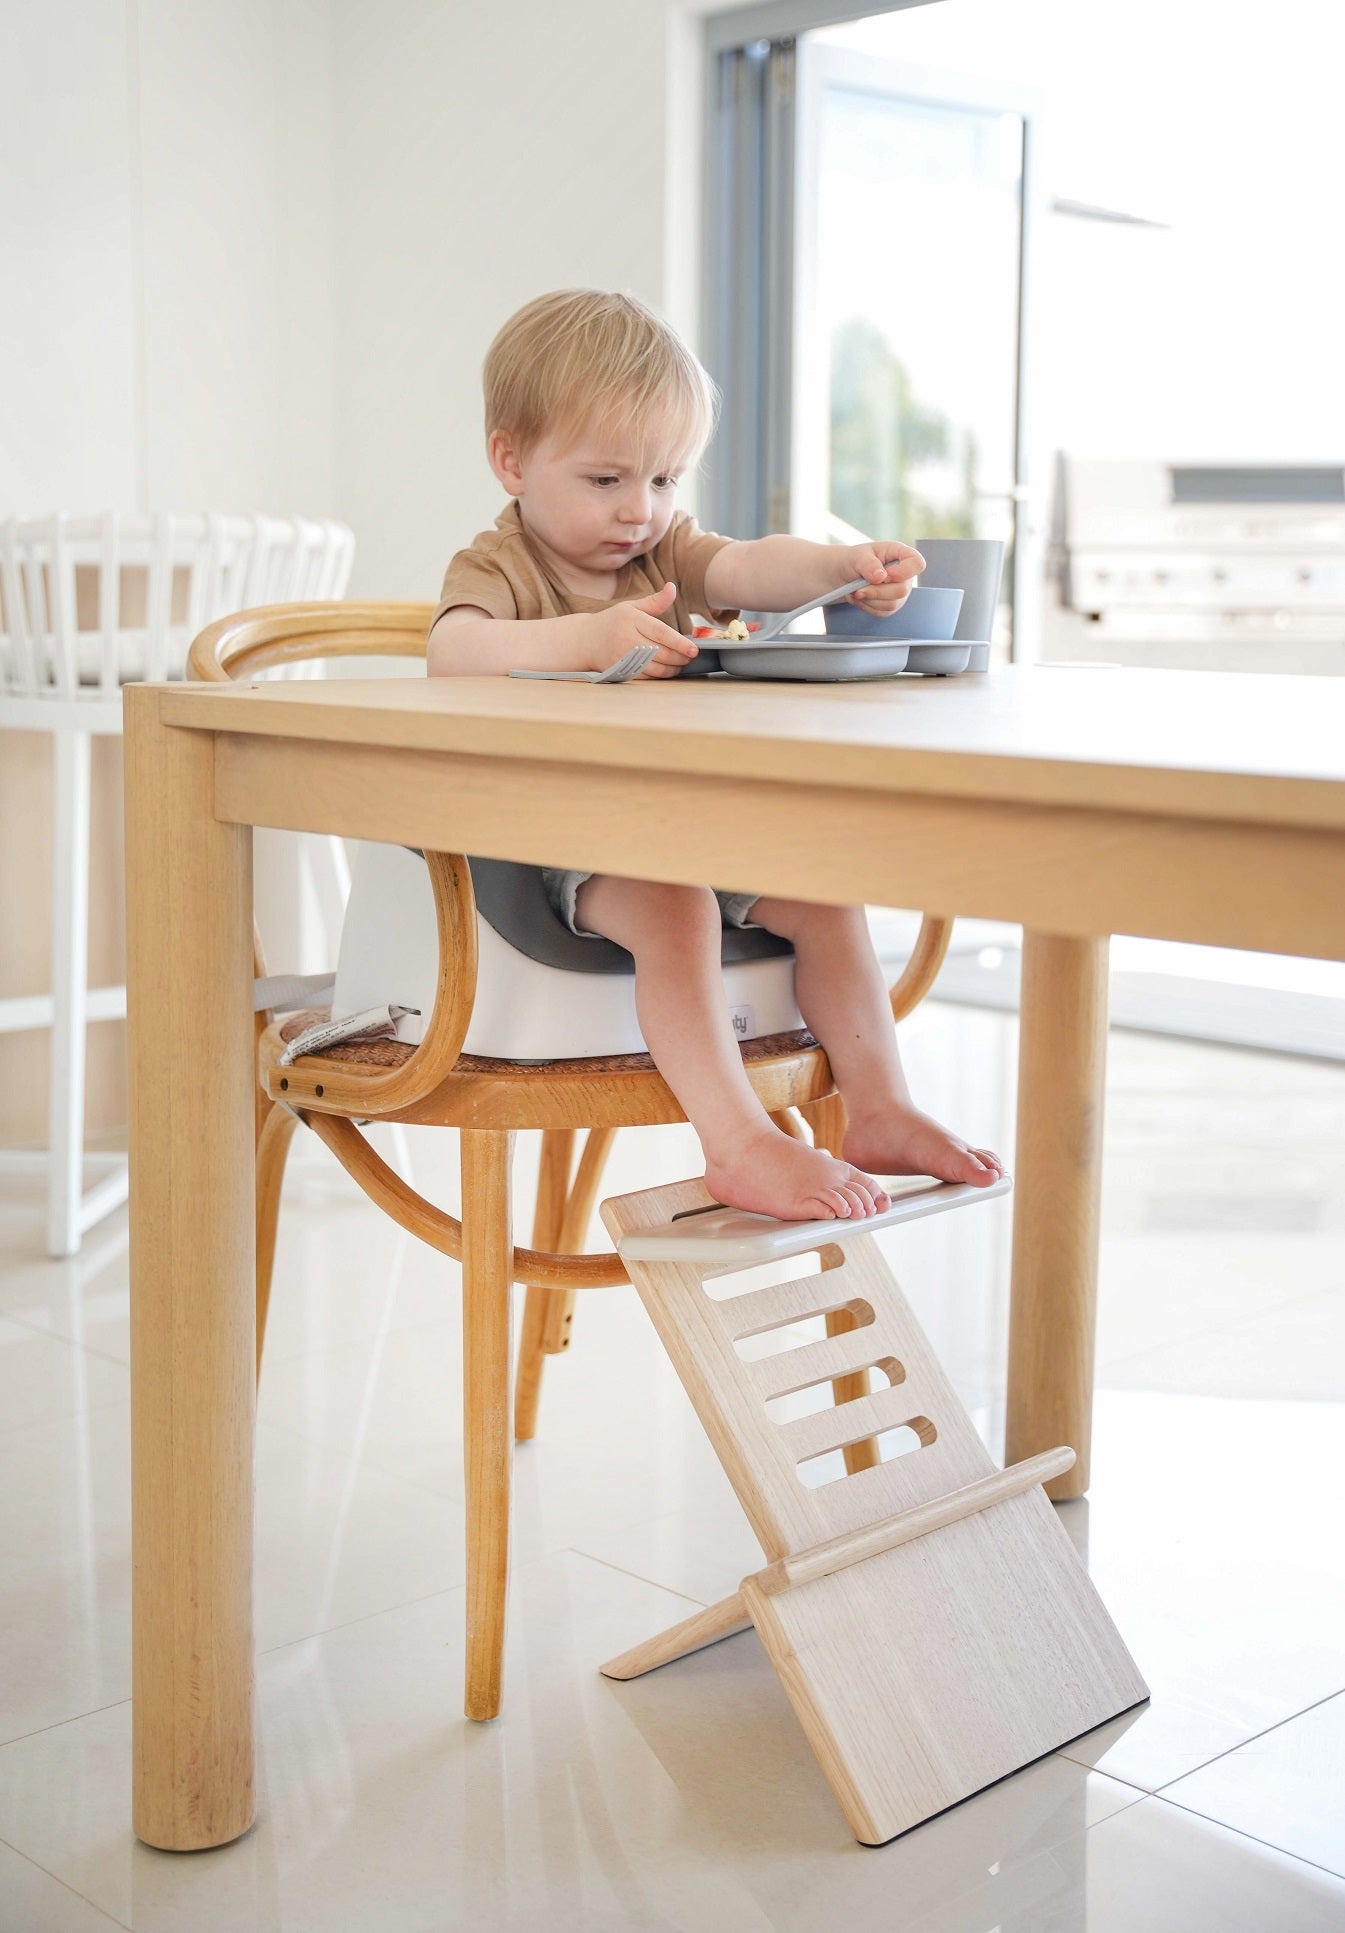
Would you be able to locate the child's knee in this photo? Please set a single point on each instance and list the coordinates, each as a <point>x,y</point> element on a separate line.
<point>678,915</point>
<point>644,913</point>
<point>796,919</point>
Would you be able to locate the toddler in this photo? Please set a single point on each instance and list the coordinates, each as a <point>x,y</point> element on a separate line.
<point>595,408</point>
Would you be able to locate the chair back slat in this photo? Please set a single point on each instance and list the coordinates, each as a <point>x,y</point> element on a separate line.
<point>18,654</point>
<point>88,604</point>
<point>109,601</point>
<point>204,572</point>
<point>39,625</point>
<point>61,629</point>
<point>159,599</point>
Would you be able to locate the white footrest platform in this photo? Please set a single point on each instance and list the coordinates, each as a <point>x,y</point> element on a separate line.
<point>733,1237</point>
<point>926,1612</point>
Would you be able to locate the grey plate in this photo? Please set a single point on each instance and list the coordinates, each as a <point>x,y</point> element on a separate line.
<point>823,660</point>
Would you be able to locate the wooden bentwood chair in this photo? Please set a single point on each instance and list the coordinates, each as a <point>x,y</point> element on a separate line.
<point>488,1101</point>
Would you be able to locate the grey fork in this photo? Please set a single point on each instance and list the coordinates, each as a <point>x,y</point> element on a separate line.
<point>619,673</point>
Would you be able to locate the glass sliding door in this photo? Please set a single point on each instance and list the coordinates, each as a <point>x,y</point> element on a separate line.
<point>910,242</point>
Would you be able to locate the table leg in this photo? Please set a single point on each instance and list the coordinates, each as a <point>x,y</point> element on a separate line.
<point>189,1009</point>
<point>1062,1062</point>
<point>487,1403</point>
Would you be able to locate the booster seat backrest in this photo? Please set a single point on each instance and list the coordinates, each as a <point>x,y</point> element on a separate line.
<point>390,952</point>
<point>512,898</point>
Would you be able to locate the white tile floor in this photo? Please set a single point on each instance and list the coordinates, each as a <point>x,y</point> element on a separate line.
<point>689,1799</point>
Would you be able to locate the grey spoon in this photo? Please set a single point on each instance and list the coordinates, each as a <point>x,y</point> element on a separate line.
<point>619,673</point>
<point>777,625</point>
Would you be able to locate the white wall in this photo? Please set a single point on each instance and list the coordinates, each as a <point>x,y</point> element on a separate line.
<point>166,337</point>
<point>166,232</point>
<point>486,154</point>
<point>256,251</point>
<point>253,254</point>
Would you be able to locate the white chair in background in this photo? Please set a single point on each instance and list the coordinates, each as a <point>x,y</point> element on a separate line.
<point>88,604</point>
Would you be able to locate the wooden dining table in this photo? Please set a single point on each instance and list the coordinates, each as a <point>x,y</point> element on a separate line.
<point>1076,801</point>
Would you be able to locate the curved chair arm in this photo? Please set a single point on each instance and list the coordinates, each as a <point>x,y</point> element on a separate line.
<point>360,1092</point>
<point>281,634</point>
<point>278,634</point>
<point>922,969</point>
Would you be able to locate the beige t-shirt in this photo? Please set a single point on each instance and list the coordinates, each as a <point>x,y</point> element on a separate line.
<point>502,572</point>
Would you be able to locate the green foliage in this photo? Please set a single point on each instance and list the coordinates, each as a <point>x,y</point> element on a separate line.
<point>881,435</point>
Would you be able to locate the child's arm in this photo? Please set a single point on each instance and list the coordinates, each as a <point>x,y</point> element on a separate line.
<point>776,573</point>
<point>468,642</point>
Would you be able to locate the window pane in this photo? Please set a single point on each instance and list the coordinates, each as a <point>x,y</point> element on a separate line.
<point>917,250</point>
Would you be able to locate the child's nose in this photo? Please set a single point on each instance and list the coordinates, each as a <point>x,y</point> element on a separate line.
<point>636,508</point>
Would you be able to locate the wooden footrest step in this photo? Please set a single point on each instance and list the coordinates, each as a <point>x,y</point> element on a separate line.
<point>927,1614</point>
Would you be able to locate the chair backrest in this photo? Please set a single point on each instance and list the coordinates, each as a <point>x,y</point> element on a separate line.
<point>88,604</point>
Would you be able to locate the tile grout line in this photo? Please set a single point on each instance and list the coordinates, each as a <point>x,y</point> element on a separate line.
<point>653,1582</point>
<point>1242,1745</point>
<point>52,1335</point>
<point>1253,1838</point>
<point>346,1624</point>
<point>75,1718</point>
<point>1161,1791</point>
<point>55,1422</point>
<point>65,1885</point>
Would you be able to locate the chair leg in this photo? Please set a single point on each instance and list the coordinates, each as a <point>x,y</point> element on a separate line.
<point>559,1315</point>
<point>69,989</point>
<point>273,1145</point>
<point>487,1285</point>
<point>553,1187</point>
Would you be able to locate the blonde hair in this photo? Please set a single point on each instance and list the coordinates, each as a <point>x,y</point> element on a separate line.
<point>581,357</point>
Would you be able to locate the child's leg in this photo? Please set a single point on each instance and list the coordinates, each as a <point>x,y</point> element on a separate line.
<point>843,997</point>
<point>674,933</point>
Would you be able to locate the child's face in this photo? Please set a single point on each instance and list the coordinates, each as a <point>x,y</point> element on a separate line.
<point>588,497</point>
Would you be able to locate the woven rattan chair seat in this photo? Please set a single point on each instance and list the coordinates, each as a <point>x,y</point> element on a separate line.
<point>392,1053</point>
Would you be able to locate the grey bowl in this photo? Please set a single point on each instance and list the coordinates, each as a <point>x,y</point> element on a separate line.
<point>929,614</point>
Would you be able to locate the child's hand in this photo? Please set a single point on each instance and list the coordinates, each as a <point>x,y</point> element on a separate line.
<point>615,630</point>
<point>889,568</point>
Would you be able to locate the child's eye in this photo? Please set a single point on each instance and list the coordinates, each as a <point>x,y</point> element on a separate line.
<point>603,481</point>
<point>665,483</point>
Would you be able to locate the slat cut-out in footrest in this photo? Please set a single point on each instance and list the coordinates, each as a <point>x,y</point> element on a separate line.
<point>821,1362</point>
<point>831,1429</point>
<point>781,1302</point>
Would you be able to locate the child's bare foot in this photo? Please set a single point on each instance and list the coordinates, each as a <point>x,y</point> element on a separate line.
<point>772,1174</point>
<point>902,1141</point>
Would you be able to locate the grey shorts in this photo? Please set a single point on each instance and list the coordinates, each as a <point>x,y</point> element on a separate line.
<point>561,888</point>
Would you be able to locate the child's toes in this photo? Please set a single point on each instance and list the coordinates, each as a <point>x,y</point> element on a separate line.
<point>835,1202</point>
<point>860,1191</point>
<point>964,1164</point>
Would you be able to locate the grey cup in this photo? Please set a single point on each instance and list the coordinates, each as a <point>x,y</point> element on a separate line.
<point>971,565</point>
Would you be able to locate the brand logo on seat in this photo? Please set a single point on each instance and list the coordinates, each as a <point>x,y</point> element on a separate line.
<point>744,1022</point>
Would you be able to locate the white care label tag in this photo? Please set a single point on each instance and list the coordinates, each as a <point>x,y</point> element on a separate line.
<point>744,1022</point>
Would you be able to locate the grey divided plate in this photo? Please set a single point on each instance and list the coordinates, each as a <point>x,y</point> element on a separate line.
<point>824,660</point>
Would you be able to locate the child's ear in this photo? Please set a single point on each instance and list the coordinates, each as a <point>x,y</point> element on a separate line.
<point>504,461</point>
